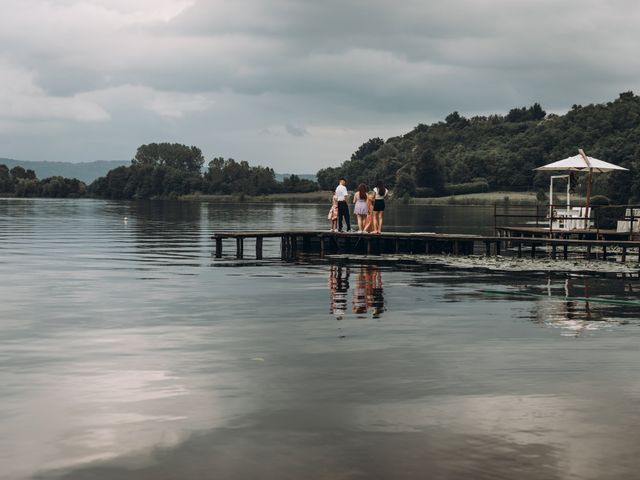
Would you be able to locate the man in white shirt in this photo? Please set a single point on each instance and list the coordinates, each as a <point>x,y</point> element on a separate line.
<point>342,195</point>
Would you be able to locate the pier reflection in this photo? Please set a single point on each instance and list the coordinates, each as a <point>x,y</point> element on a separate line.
<point>367,295</point>
<point>579,305</point>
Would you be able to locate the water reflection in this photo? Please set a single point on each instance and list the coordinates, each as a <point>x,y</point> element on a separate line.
<point>193,372</point>
<point>367,295</point>
<point>165,231</point>
<point>576,305</point>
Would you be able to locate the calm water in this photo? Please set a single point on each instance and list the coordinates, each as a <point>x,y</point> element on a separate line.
<point>128,352</point>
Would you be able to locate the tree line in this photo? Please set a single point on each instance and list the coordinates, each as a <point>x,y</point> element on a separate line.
<point>499,152</point>
<point>23,183</point>
<point>172,169</point>
<point>454,156</point>
<point>164,170</point>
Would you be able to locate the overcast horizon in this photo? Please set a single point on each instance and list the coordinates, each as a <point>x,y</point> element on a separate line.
<point>293,85</point>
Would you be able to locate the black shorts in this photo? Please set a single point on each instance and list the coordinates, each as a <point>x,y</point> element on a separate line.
<point>378,205</point>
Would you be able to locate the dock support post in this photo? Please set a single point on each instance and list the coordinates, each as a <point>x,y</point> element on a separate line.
<point>495,218</point>
<point>427,247</point>
<point>588,252</point>
<point>239,247</point>
<point>456,248</point>
<point>368,242</point>
<point>604,252</point>
<point>533,250</point>
<point>519,249</point>
<point>218,247</point>
<point>294,246</point>
<point>284,247</point>
<point>487,247</point>
<point>565,251</point>
<point>624,254</point>
<point>322,246</point>
<point>498,248</point>
<point>553,251</point>
<point>396,245</point>
<point>259,247</point>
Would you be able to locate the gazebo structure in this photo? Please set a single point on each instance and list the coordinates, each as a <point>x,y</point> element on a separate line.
<point>577,163</point>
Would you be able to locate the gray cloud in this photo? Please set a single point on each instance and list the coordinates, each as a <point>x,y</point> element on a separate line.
<point>295,131</point>
<point>102,74</point>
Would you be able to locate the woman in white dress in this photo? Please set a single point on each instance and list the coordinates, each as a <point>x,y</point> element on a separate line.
<point>361,208</point>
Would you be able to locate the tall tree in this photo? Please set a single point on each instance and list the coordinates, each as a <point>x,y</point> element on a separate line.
<point>18,173</point>
<point>367,148</point>
<point>174,155</point>
<point>6,183</point>
<point>430,171</point>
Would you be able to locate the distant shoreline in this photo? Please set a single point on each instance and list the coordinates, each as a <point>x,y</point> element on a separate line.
<point>324,198</point>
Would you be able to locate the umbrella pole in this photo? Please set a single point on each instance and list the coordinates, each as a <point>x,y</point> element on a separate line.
<point>588,202</point>
<point>550,203</point>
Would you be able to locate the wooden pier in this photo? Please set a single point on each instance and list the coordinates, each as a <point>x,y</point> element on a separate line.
<point>580,234</point>
<point>321,243</point>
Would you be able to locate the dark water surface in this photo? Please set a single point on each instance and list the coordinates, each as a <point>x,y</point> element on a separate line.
<point>128,352</point>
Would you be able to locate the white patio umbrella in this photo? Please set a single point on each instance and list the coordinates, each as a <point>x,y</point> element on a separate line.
<point>582,163</point>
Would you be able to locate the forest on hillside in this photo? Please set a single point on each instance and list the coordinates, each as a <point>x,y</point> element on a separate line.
<point>499,152</point>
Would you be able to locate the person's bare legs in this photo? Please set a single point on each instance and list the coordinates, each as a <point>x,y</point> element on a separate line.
<point>368,222</point>
<point>377,222</point>
<point>362,222</point>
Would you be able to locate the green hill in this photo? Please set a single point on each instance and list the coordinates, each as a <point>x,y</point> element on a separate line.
<point>499,152</point>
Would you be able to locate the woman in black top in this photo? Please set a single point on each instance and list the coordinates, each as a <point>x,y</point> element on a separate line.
<point>380,194</point>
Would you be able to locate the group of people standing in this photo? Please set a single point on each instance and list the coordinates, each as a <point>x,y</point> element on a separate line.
<point>368,207</point>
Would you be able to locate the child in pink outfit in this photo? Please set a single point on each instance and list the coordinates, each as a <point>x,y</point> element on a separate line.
<point>333,213</point>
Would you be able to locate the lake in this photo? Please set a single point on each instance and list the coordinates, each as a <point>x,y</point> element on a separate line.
<point>127,351</point>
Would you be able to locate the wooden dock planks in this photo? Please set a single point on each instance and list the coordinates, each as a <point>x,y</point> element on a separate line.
<point>294,242</point>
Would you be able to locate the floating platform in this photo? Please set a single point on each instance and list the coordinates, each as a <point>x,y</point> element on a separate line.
<point>293,243</point>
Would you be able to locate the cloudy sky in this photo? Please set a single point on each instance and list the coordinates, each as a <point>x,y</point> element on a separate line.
<point>296,85</point>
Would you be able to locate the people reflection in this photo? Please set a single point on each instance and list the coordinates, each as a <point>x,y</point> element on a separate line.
<point>360,292</point>
<point>376,298</point>
<point>339,287</point>
<point>367,293</point>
